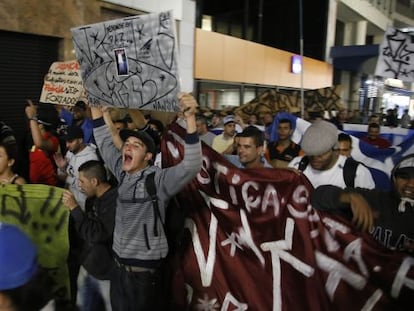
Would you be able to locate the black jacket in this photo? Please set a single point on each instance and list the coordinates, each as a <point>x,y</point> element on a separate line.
<point>95,226</point>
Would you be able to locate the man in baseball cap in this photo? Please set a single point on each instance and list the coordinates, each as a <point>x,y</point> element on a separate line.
<point>322,163</point>
<point>223,143</point>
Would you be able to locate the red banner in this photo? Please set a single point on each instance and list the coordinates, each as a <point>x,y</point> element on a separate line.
<point>257,244</point>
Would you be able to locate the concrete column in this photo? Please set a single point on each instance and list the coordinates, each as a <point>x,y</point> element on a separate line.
<point>355,85</point>
<point>186,45</point>
<point>346,88</point>
<point>348,34</point>
<point>331,26</point>
<point>360,32</point>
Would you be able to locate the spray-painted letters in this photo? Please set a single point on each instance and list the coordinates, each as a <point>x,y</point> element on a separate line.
<point>396,56</point>
<point>37,210</point>
<point>63,84</point>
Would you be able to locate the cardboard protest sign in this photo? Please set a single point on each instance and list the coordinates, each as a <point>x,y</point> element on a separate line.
<point>396,54</point>
<point>254,242</point>
<point>63,84</point>
<point>37,210</point>
<point>130,62</point>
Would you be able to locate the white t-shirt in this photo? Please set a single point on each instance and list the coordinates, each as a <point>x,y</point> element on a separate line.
<point>74,162</point>
<point>334,175</point>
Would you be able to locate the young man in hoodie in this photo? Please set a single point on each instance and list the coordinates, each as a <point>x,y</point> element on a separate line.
<point>140,245</point>
<point>387,215</point>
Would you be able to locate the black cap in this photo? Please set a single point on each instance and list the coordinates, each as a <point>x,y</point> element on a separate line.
<point>80,104</point>
<point>73,132</point>
<point>144,137</point>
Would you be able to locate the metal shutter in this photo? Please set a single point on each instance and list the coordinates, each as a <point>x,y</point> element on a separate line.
<point>24,61</point>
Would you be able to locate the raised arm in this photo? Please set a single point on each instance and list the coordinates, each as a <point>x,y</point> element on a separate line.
<point>188,106</point>
<point>38,141</point>
<point>114,132</point>
<point>343,201</point>
<point>137,118</point>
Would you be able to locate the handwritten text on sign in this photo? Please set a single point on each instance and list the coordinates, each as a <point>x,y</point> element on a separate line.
<point>130,62</point>
<point>63,84</point>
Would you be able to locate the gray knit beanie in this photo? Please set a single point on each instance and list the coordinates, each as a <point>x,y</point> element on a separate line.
<point>319,137</point>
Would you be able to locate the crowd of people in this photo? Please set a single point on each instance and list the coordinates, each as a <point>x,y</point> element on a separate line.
<point>104,162</point>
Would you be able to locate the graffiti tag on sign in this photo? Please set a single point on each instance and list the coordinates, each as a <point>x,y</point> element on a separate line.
<point>63,84</point>
<point>396,56</point>
<point>130,62</point>
<point>38,211</point>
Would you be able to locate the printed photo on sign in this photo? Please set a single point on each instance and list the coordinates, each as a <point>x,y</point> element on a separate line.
<point>121,62</point>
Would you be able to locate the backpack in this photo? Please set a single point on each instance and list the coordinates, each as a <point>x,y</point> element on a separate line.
<point>173,225</point>
<point>349,170</point>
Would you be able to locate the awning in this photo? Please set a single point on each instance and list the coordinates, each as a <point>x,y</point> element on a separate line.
<point>351,57</point>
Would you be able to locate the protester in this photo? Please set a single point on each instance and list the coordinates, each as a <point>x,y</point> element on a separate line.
<point>223,143</point>
<point>203,132</point>
<point>253,119</point>
<point>8,154</point>
<point>322,164</point>
<point>267,120</point>
<point>284,150</point>
<point>45,144</point>
<point>250,149</point>
<point>6,134</point>
<point>391,118</point>
<point>344,144</point>
<point>340,119</point>
<point>79,117</point>
<point>387,215</point>
<point>24,286</point>
<point>381,179</point>
<point>405,120</point>
<point>95,226</point>
<point>77,153</point>
<point>120,124</point>
<point>140,244</point>
<point>373,137</point>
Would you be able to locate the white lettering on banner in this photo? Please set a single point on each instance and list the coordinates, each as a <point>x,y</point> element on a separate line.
<point>295,213</point>
<point>337,272</point>
<point>270,198</point>
<point>400,278</point>
<point>300,195</point>
<point>331,244</point>
<point>203,172</point>
<point>206,266</point>
<point>249,201</point>
<point>313,216</point>
<point>246,237</point>
<point>235,180</point>
<point>232,240</point>
<point>220,169</point>
<point>230,299</point>
<point>222,204</point>
<point>278,251</point>
<point>372,301</point>
<point>353,251</point>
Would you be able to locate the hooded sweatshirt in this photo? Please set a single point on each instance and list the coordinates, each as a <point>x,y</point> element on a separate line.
<point>393,227</point>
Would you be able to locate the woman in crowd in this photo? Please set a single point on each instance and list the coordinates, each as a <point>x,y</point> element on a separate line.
<point>8,154</point>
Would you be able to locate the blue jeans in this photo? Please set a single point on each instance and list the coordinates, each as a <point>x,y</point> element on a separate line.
<point>94,293</point>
